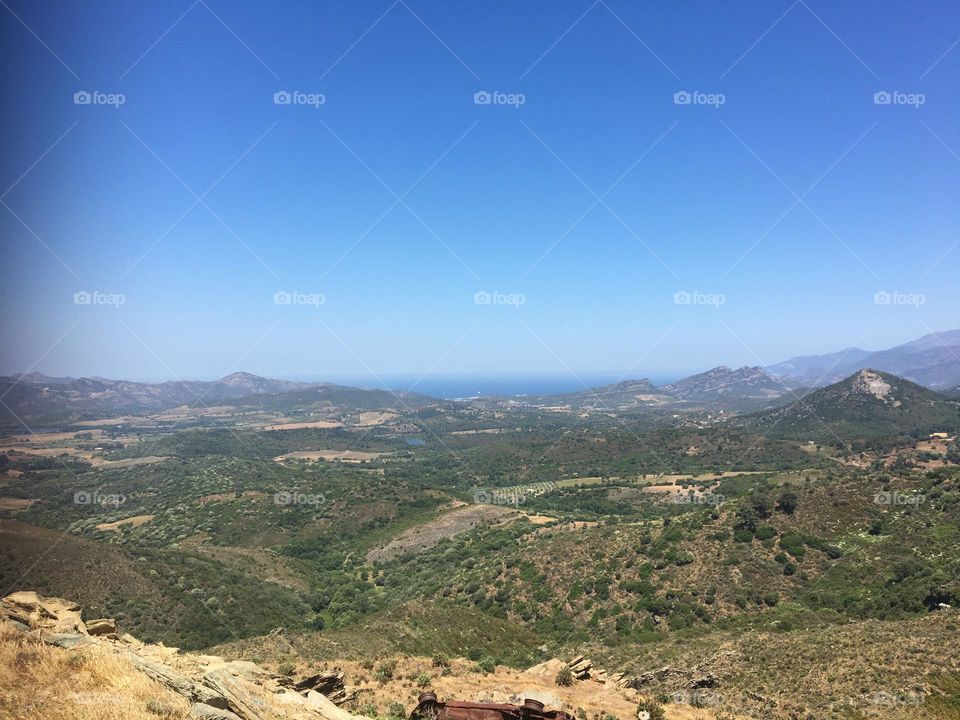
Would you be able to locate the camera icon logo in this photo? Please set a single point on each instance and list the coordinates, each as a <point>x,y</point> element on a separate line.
<point>82,298</point>
<point>482,298</point>
<point>482,97</point>
<point>882,297</point>
<point>282,97</point>
<point>82,497</point>
<point>882,97</point>
<point>682,97</point>
<point>682,298</point>
<point>82,97</point>
<point>282,297</point>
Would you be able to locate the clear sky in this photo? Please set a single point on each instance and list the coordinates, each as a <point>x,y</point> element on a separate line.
<point>614,225</point>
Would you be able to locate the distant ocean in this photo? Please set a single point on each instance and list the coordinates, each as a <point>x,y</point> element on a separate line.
<point>449,387</point>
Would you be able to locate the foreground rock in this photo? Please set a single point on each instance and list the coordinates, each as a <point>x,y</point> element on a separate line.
<point>216,689</point>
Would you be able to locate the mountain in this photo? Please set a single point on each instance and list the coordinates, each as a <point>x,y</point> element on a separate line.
<point>622,396</point>
<point>35,378</point>
<point>932,361</point>
<point>328,396</point>
<point>35,399</point>
<point>868,404</point>
<point>812,369</point>
<point>749,388</point>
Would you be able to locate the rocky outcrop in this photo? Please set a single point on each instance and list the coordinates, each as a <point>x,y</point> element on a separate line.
<point>217,689</point>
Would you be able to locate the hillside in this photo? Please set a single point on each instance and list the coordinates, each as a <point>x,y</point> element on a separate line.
<point>747,388</point>
<point>867,405</point>
<point>624,396</point>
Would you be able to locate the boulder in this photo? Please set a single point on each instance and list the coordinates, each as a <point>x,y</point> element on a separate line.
<point>43,613</point>
<point>329,683</point>
<point>102,626</point>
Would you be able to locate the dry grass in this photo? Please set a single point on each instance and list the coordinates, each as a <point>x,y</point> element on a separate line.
<point>135,521</point>
<point>90,683</point>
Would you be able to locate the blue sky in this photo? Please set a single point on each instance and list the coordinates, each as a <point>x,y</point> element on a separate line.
<point>779,202</point>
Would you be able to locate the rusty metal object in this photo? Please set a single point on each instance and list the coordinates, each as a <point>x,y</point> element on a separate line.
<point>429,708</point>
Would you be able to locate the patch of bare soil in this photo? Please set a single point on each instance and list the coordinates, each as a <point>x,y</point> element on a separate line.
<point>9,503</point>
<point>135,521</point>
<point>303,425</point>
<point>448,525</point>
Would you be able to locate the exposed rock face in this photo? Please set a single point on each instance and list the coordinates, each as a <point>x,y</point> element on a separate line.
<point>218,689</point>
<point>103,626</point>
<point>329,684</point>
<point>37,612</point>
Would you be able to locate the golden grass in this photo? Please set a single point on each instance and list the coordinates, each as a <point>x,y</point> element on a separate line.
<point>89,683</point>
<point>135,521</point>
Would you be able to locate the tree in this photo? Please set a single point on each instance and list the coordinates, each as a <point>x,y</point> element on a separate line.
<point>787,502</point>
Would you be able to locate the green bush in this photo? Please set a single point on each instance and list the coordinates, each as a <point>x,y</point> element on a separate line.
<point>486,665</point>
<point>564,677</point>
<point>766,532</point>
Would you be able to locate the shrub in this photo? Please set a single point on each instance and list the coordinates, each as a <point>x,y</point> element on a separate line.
<point>396,711</point>
<point>564,677</point>
<point>651,709</point>
<point>423,680</point>
<point>766,532</point>
<point>742,535</point>
<point>385,670</point>
<point>486,665</point>
<point>787,502</point>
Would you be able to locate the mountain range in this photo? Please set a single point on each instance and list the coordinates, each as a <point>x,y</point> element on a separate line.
<point>932,361</point>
